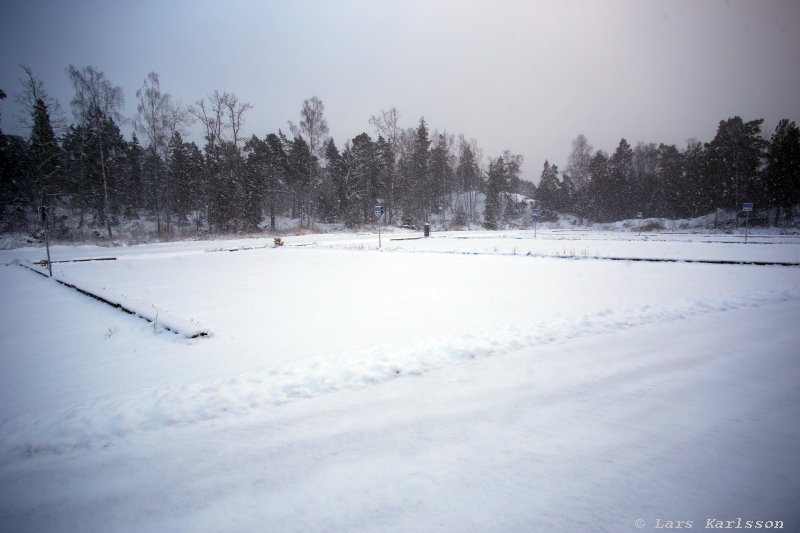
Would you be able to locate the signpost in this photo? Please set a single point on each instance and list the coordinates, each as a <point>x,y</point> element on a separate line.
<point>378,210</point>
<point>536,214</point>
<point>747,208</point>
<point>639,216</point>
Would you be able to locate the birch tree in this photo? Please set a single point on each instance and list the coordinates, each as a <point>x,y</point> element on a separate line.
<point>96,101</point>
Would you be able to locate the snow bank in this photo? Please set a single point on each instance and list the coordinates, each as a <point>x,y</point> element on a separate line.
<point>160,318</point>
<point>96,424</point>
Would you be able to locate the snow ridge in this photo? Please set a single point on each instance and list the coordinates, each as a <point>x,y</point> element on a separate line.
<point>160,318</point>
<point>97,424</point>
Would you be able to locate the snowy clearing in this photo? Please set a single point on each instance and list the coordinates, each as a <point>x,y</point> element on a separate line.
<point>470,381</point>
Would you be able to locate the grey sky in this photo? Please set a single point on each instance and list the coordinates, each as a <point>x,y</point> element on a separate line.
<point>527,76</point>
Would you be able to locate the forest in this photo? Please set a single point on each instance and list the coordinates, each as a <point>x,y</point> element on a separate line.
<point>86,174</point>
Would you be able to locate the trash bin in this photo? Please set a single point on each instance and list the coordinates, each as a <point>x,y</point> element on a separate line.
<point>426,229</point>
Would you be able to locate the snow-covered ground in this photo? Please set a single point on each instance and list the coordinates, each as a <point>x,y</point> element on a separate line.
<point>469,381</point>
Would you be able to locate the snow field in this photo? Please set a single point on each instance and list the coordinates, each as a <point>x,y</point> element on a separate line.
<point>351,389</point>
<point>588,434</point>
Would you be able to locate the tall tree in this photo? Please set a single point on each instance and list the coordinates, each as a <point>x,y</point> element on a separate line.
<point>441,174</point>
<point>496,178</point>
<point>386,171</point>
<point>419,202</point>
<point>96,102</point>
<point>468,176</point>
<point>783,168</point>
<point>513,166</point>
<point>548,193</point>
<point>44,154</point>
<point>578,169</point>
<point>599,187</point>
<point>734,160</point>
<point>359,184</point>
<point>301,167</point>
<point>159,119</point>
<point>33,90</point>
<point>617,205</point>
<point>313,128</point>
<point>222,116</point>
<point>670,174</point>
<point>699,188</point>
<point>132,192</point>
<point>646,191</point>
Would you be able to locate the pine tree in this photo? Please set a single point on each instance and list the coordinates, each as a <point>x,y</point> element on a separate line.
<point>386,176</point>
<point>670,173</point>
<point>44,154</point>
<point>420,190</point>
<point>549,191</point>
<point>511,184</point>
<point>734,158</point>
<point>494,186</point>
<point>599,187</point>
<point>468,174</point>
<point>96,104</point>
<point>783,168</point>
<point>179,181</point>
<point>616,203</point>
<point>699,193</point>
<point>441,175</point>
<point>133,198</point>
<point>301,168</point>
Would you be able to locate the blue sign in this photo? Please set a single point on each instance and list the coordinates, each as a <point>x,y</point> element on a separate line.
<point>536,214</point>
<point>378,209</point>
<point>747,207</point>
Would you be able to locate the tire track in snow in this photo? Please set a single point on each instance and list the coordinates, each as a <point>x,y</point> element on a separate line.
<point>95,425</point>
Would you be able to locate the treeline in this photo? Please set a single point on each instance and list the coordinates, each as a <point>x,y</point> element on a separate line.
<point>93,177</point>
<point>88,175</point>
<point>737,166</point>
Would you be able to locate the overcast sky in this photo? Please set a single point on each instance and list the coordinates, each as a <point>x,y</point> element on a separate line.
<point>527,76</point>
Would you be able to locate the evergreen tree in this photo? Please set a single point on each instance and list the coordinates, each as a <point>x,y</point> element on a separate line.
<point>734,159</point>
<point>441,175</point>
<point>599,187</point>
<point>419,204</point>
<point>359,180</point>
<point>44,156</point>
<point>578,168</point>
<point>196,186</point>
<point>96,104</point>
<point>277,169</point>
<point>675,198</point>
<point>495,184</point>
<point>645,193</point>
<point>616,205</point>
<point>699,191</point>
<point>468,174</point>
<point>13,165</point>
<point>513,165</point>
<point>133,194</point>
<point>301,168</point>
<point>153,168</point>
<point>548,193</point>
<point>384,194</point>
<point>783,168</point>
<point>180,178</point>
<point>337,174</point>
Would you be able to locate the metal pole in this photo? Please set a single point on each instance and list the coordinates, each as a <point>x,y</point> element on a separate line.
<point>379,232</point>
<point>746,224</point>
